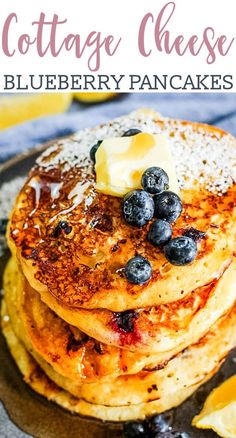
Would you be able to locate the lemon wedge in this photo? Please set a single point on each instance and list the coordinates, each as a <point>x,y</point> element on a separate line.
<point>219,410</point>
<point>93,97</point>
<point>20,108</point>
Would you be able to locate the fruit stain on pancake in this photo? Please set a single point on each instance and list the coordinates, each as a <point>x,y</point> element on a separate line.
<point>123,266</point>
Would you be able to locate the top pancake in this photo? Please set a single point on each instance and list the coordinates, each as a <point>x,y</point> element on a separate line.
<point>85,267</point>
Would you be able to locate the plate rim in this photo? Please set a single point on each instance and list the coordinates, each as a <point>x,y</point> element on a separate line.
<point>17,158</point>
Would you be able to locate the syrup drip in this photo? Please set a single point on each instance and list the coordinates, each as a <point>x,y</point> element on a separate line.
<point>76,195</point>
<point>36,184</point>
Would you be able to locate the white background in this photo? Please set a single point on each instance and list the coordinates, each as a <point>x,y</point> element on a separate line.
<point>122,19</point>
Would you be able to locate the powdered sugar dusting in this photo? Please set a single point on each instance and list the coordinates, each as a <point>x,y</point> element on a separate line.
<point>8,193</point>
<point>203,156</point>
<point>71,152</point>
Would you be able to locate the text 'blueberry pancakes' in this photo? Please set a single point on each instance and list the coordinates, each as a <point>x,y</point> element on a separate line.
<point>123,266</point>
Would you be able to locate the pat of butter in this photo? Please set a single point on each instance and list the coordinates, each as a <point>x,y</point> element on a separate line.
<point>121,161</point>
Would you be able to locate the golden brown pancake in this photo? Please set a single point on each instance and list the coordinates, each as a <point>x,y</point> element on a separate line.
<point>81,334</point>
<point>161,328</point>
<point>149,393</point>
<point>84,267</point>
<point>79,357</point>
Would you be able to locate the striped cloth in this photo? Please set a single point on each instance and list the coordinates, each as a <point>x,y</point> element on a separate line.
<point>216,108</point>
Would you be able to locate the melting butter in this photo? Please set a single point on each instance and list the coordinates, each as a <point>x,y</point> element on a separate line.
<point>121,161</point>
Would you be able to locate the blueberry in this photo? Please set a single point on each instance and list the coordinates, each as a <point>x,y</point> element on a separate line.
<point>131,132</point>
<point>160,233</point>
<point>160,423</point>
<point>125,320</point>
<point>181,251</point>
<point>138,208</point>
<point>134,430</point>
<point>94,149</point>
<point>155,180</point>
<point>61,226</point>
<point>168,206</point>
<point>66,227</point>
<point>138,270</point>
<point>195,234</point>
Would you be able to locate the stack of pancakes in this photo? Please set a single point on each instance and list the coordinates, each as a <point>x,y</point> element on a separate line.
<point>81,334</point>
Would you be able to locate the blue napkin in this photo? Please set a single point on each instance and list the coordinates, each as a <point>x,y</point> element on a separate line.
<point>212,108</point>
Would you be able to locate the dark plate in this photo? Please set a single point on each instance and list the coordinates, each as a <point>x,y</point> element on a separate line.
<point>23,410</point>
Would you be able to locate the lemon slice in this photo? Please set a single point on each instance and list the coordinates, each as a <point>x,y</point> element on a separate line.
<point>219,410</point>
<point>17,109</point>
<point>93,97</point>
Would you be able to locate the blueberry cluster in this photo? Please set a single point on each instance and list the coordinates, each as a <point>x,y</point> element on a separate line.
<point>140,206</point>
<point>155,427</point>
<point>155,200</point>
